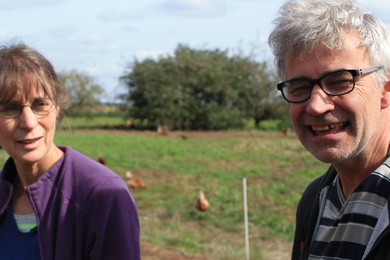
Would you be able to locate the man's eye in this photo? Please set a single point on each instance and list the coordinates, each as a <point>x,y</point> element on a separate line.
<point>299,88</point>
<point>340,83</point>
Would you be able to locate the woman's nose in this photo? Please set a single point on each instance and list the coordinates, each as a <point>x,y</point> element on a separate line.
<point>27,118</point>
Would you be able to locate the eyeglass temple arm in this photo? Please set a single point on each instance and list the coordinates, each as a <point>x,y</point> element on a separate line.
<point>368,70</point>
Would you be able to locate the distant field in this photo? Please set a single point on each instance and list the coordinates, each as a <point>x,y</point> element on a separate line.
<point>118,120</point>
<point>92,121</point>
<point>277,169</point>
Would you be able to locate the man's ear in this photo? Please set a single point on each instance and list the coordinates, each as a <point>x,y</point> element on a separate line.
<point>385,100</point>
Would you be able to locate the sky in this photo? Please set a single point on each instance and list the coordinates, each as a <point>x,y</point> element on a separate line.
<point>103,37</point>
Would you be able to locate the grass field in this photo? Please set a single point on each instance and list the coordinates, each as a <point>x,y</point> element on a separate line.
<point>277,169</point>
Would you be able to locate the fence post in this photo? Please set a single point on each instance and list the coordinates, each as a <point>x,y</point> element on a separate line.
<point>246,219</point>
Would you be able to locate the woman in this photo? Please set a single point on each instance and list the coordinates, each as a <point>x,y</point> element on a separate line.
<point>55,203</point>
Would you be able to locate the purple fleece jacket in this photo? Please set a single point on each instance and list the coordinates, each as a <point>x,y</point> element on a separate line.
<point>84,210</point>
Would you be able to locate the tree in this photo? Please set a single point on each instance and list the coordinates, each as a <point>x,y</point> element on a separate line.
<point>256,86</point>
<point>82,89</point>
<point>196,89</point>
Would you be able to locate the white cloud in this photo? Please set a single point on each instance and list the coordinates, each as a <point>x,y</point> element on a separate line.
<point>116,69</point>
<point>375,4</point>
<point>380,8</point>
<point>192,8</point>
<point>93,44</point>
<point>130,29</point>
<point>262,39</point>
<point>112,15</point>
<point>140,55</point>
<point>92,70</point>
<point>96,42</point>
<point>5,34</point>
<point>62,31</point>
<point>16,4</point>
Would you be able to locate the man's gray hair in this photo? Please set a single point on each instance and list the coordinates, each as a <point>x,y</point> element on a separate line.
<point>301,25</point>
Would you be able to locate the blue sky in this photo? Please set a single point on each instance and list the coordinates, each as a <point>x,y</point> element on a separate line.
<point>101,37</point>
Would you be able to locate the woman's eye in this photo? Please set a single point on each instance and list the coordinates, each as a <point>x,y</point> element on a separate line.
<point>40,104</point>
<point>9,107</point>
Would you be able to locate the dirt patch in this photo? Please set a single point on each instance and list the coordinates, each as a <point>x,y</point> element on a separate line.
<point>157,252</point>
<point>203,135</point>
<point>275,250</point>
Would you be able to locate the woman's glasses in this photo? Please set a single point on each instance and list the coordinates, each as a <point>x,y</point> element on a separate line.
<point>40,107</point>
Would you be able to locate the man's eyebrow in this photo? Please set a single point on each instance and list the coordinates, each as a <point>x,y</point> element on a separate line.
<point>324,74</point>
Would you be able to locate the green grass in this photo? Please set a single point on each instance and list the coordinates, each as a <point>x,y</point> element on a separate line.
<point>92,121</point>
<point>277,169</point>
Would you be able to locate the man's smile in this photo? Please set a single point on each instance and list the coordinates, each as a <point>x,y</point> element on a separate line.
<point>328,129</point>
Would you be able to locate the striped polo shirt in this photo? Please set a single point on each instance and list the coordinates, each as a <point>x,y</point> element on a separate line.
<point>346,225</point>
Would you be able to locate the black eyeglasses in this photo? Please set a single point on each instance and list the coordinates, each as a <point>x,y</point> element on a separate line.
<point>40,107</point>
<point>336,83</point>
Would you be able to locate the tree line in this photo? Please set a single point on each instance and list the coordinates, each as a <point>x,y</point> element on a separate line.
<point>193,89</point>
<point>198,89</point>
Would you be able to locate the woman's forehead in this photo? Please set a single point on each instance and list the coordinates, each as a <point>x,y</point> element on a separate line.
<point>25,83</point>
<point>23,94</point>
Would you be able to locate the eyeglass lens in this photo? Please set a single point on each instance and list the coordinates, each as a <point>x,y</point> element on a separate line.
<point>40,107</point>
<point>336,83</point>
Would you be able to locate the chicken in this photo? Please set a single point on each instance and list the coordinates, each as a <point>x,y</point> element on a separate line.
<point>185,137</point>
<point>129,122</point>
<point>202,204</point>
<point>102,160</point>
<point>286,131</point>
<point>161,131</point>
<point>134,182</point>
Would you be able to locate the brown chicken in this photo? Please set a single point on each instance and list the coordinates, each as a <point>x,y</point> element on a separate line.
<point>134,182</point>
<point>102,160</point>
<point>202,204</point>
<point>161,131</point>
<point>286,131</point>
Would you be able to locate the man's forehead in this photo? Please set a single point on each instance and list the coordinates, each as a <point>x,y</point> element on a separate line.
<point>322,48</point>
<point>322,59</point>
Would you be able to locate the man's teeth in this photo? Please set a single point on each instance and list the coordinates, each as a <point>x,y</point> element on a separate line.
<point>326,127</point>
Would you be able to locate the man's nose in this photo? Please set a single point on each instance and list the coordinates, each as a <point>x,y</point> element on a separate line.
<point>319,102</point>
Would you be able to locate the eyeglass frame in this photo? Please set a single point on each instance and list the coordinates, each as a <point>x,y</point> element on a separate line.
<point>313,82</point>
<point>31,107</point>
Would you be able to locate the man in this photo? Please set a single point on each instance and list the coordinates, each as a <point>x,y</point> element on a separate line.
<point>334,60</point>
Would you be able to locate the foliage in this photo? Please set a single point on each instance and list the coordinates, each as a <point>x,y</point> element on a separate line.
<point>82,89</point>
<point>200,89</point>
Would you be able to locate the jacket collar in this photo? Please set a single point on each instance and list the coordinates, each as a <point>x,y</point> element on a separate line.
<point>6,178</point>
<point>39,192</point>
